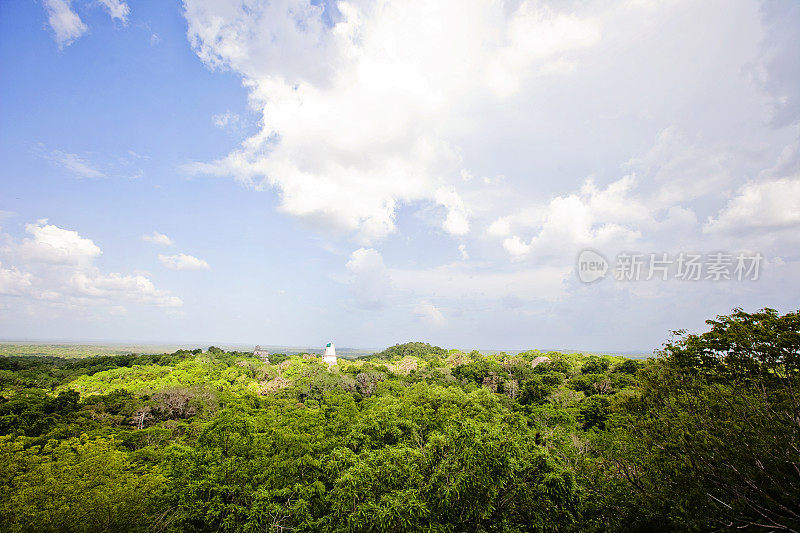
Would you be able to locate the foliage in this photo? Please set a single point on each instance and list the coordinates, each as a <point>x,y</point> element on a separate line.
<point>415,438</point>
<point>75,485</point>
<point>712,441</point>
<point>534,391</point>
<point>422,350</point>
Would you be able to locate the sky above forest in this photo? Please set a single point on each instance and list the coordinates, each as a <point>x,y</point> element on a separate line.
<point>368,173</point>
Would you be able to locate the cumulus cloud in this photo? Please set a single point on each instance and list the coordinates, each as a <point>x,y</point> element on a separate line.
<point>116,286</point>
<point>603,125</point>
<point>182,262</point>
<point>500,227</point>
<point>50,244</point>
<point>358,116</point>
<point>594,216</point>
<point>13,282</point>
<point>456,222</point>
<point>158,238</point>
<point>55,266</point>
<point>370,280</point>
<point>430,314</point>
<point>762,205</point>
<point>392,105</point>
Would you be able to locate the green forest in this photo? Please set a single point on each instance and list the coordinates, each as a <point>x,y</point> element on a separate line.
<point>703,436</point>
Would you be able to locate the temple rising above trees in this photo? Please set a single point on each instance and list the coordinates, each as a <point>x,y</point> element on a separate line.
<point>260,353</point>
<point>329,355</point>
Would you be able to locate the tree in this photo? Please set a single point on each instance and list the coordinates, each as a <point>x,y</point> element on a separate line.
<point>534,391</point>
<point>594,412</point>
<point>478,370</point>
<point>628,366</point>
<point>714,430</point>
<point>423,350</point>
<point>470,476</point>
<point>75,485</point>
<point>595,365</point>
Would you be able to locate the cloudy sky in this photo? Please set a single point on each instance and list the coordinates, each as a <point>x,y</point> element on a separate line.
<point>294,172</point>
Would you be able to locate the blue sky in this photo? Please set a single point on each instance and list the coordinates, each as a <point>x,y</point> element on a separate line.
<point>377,173</point>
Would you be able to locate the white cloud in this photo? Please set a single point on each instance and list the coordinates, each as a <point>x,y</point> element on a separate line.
<point>225,120</point>
<point>404,103</point>
<point>764,205</point>
<point>80,167</point>
<point>117,9</point>
<point>536,35</point>
<point>126,166</point>
<point>50,244</point>
<point>430,314</point>
<point>182,262</point>
<point>500,227</point>
<point>158,238</point>
<point>515,247</point>
<point>73,163</point>
<point>65,23</point>
<point>54,267</point>
<point>595,134</point>
<point>457,222</point>
<point>370,280</point>
<point>593,217</point>
<point>369,105</point>
<point>13,282</point>
<point>120,287</point>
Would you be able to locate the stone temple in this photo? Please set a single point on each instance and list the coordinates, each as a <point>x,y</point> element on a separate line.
<point>329,355</point>
<point>263,354</point>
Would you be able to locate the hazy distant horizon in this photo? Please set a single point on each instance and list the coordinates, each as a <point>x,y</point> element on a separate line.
<point>288,349</point>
